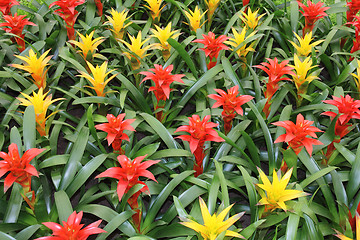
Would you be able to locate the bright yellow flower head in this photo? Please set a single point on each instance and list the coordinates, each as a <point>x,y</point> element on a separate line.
<point>117,22</point>
<point>87,45</point>
<point>301,71</point>
<point>238,39</point>
<point>212,6</point>
<point>135,50</point>
<point>154,7</point>
<point>195,18</point>
<point>41,103</point>
<point>213,224</point>
<point>163,35</point>
<point>276,194</point>
<point>357,76</point>
<point>343,237</point>
<point>304,47</point>
<point>251,19</point>
<point>35,66</point>
<point>98,81</point>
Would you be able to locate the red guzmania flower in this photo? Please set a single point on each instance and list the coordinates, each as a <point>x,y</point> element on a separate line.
<point>115,130</point>
<point>296,134</point>
<point>348,108</point>
<point>71,229</point>
<point>68,13</point>
<point>312,13</point>
<point>354,8</point>
<point>15,25</point>
<point>128,175</point>
<point>162,79</point>
<point>99,7</point>
<point>20,170</point>
<point>5,6</point>
<point>212,46</point>
<point>231,104</point>
<point>200,132</point>
<point>275,72</point>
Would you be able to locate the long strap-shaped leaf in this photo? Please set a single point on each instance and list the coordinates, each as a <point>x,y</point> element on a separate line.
<point>14,206</point>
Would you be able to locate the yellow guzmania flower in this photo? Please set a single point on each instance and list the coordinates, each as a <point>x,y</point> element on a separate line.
<point>154,7</point>
<point>35,66</point>
<point>238,39</point>
<point>88,46</point>
<point>195,18</point>
<point>135,50</point>
<point>117,22</point>
<point>276,194</point>
<point>304,47</point>
<point>343,237</point>
<point>212,6</point>
<point>98,81</point>
<point>41,103</point>
<point>163,35</point>
<point>357,76</point>
<point>251,19</point>
<point>213,224</point>
<point>301,71</point>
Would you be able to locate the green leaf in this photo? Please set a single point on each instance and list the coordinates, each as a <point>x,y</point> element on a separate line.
<point>63,205</point>
<point>26,233</point>
<point>354,177</point>
<point>250,187</point>
<point>96,99</point>
<point>316,175</point>
<point>76,154</point>
<point>184,54</point>
<point>292,226</point>
<point>29,128</point>
<point>14,205</point>
<point>171,153</point>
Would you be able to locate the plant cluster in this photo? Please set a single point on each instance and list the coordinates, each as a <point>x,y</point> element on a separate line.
<point>152,119</point>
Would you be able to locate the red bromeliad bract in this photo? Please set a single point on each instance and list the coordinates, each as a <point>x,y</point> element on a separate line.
<point>275,71</point>
<point>212,46</point>
<point>231,104</point>
<point>348,108</point>
<point>200,132</point>
<point>115,129</point>
<point>296,134</point>
<point>312,13</point>
<point>162,79</point>
<point>68,13</point>
<point>5,6</point>
<point>20,170</point>
<point>354,8</point>
<point>15,25</point>
<point>128,175</point>
<point>99,7</point>
<point>71,229</point>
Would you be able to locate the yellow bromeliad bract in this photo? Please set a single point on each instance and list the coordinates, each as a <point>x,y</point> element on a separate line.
<point>276,193</point>
<point>154,7</point>
<point>195,18</point>
<point>163,34</point>
<point>41,103</point>
<point>87,45</point>
<point>238,39</point>
<point>98,81</point>
<point>118,23</point>
<point>304,48</point>
<point>251,19</point>
<point>212,6</point>
<point>35,66</point>
<point>136,50</point>
<point>357,76</point>
<point>213,224</point>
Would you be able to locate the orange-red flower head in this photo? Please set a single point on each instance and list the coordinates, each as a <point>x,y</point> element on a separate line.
<point>115,129</point>
<point>296,134</point>
<point>99,7</point>
<point>5,6</point>
<point>129,172</point>
<point>19,168</point>
<point>200,132</point>
<point>354,8</point>
<point>162,79</point>
<point>312,12</point>
<point>72,229</point>
<point>348,108</point>
<point>15,25</point>
<point>212,45</point>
